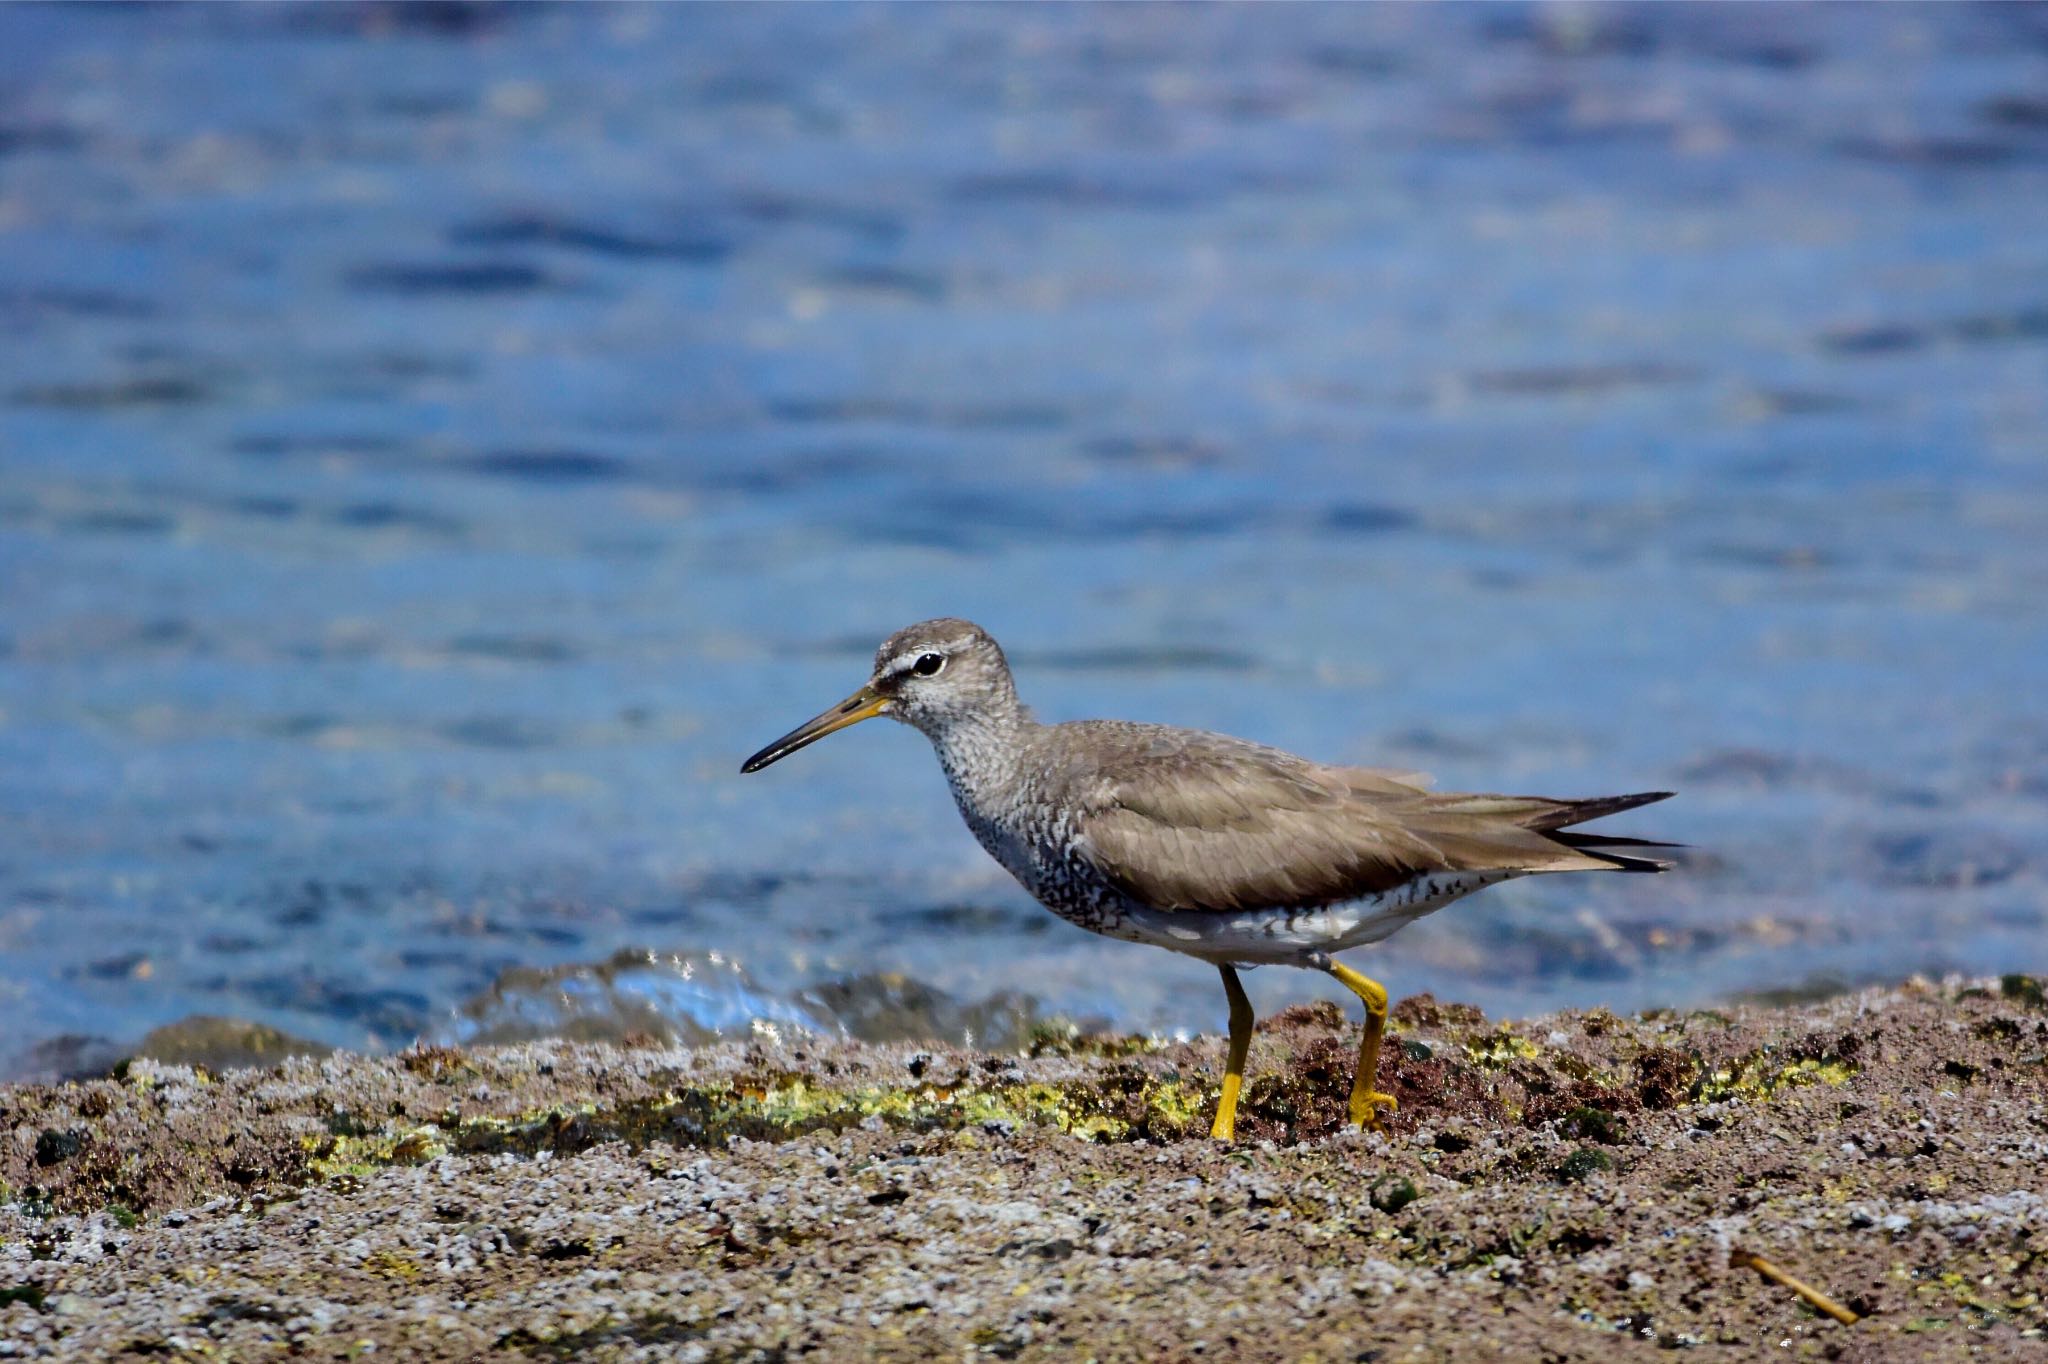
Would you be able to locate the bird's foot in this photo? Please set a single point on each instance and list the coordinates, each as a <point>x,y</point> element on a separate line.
<point>1366,1106</point>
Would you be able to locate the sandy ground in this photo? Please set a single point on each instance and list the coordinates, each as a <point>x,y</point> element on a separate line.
<point>1567,1188</point>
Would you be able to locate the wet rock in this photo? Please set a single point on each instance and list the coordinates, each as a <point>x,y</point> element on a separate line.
<point>70,1056</point>
<point>219,1044</point>
<point>694,997</point>
<point>889,1007</point>
<point>1426,1011</point>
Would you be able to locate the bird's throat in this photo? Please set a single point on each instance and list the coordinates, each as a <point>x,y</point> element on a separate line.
<point>980,754</point>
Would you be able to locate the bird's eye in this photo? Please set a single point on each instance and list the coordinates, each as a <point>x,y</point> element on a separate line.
<point>928,665</point>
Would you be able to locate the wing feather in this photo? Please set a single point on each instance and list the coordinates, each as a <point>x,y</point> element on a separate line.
<point>1237,827</point>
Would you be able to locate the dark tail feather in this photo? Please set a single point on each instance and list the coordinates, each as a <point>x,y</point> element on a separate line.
<point>1565,813</point>
<point>1593,845</point>
<point>1612,841</point>
<point>1569,812</point>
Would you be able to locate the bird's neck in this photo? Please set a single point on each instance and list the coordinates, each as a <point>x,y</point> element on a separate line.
<point>980,752</point>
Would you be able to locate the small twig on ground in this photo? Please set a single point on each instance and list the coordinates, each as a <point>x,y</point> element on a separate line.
<point>1743,1259</point>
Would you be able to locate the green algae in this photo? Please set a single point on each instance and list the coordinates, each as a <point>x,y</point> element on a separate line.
<point>1962,1295</point>
<point>780,1107</point>
<point>1064,1037</point>
<point>1392,1195</point>
<point>2027,990</point>
<point>1596,1124</point>
<point>31,1293</point>
<point>336,1157</point>
<point>33,1201</point>
<point>1583,1164</point>
<point>1500,1049</point>
<point>391,1264</point>
<point>1754,1078</point>
<point>1182,1105</point>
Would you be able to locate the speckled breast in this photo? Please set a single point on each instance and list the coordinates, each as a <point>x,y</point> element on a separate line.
<point>1040,853</point>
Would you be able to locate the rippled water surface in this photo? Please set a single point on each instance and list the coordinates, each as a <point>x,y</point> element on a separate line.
<point>437,443</point>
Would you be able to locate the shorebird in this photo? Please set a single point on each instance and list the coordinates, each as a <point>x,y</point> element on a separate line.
<point>1226,850</point>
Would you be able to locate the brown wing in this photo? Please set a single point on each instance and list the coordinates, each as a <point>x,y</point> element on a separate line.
<point>1240,827</point>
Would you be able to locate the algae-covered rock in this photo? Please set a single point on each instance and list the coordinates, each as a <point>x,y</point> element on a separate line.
<point>806,1196</point>
<point>219,1044</point>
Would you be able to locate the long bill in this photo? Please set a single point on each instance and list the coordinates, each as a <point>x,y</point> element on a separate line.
<point>864,704</point>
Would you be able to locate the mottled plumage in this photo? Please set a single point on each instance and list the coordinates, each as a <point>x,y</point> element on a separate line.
<point>1209,845</point>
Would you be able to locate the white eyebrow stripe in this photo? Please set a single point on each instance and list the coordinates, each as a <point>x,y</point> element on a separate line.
<point>905,661</point>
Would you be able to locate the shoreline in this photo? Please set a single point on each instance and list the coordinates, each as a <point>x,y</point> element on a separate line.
<point>1570,1184</point>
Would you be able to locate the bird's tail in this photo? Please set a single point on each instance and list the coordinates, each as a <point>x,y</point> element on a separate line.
<point>1566,813</point>
<point>1562,814</point>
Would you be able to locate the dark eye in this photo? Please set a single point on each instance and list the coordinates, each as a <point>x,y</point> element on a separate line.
<point>928,665</point>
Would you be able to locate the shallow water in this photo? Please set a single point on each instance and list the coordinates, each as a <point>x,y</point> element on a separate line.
<point>438,443</point>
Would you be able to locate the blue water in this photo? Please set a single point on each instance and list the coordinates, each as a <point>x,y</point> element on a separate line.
<point>437,444</point>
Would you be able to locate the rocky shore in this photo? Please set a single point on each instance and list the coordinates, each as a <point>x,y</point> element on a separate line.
<point>1565,1188</point>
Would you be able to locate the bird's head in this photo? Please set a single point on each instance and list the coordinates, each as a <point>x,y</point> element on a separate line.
<point>934,675</point>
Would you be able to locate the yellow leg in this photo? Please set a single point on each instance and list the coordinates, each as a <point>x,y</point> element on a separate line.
<point>1366,1102</point>
<point>1225,1126</point>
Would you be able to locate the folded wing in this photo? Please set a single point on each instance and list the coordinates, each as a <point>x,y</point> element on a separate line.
<point>1241,827</point>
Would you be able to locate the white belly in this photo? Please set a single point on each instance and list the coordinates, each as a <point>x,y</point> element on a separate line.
<point>1289,937</point>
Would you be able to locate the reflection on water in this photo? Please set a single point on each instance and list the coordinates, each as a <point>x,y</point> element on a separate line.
<point>681,997</point>
<point>439,441</point>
